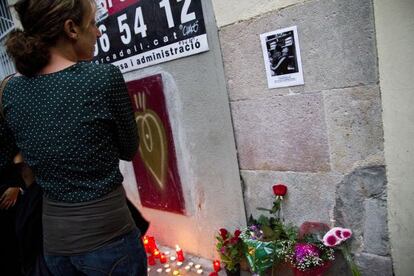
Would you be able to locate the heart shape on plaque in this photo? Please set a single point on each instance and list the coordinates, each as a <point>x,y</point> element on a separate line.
<point>153,145</point>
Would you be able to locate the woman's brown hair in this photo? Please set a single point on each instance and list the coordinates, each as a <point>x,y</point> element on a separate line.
<point>43,24</point>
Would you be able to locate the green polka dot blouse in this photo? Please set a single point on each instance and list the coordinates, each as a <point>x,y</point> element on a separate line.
<point>72,127</point>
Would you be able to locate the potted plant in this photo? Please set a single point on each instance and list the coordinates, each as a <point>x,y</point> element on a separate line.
<point>230,248</point>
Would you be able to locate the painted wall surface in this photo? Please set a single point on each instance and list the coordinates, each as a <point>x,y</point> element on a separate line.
<point>324,139</point>
<point>395,26</point>
<point>198,107</point>
<point>230,11</point>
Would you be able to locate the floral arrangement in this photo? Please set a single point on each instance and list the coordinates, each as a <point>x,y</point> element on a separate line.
<point>230,248</point>
<point>307,255</point>
<point>335,238</point>
<point>263,237</point>
<point>268,241</point>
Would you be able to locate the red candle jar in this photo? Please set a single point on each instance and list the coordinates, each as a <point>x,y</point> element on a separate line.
<point>156,253</point>
<point>151,244</point>
<point>146,244</point>
<point>163,258</point>
<point>216,265</point>
<point>180,254</point>
<point>151,260</point>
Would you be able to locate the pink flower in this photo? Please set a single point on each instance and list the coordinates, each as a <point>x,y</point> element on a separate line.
<point>304,250</point>
<point>330,240</point>
<point>336,235</point>
<point>346,233</point>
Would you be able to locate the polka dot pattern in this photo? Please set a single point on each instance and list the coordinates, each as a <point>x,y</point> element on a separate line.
<point>72,127</point>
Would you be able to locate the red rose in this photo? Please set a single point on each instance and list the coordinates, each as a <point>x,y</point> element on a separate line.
<point>279,189</point>
<point>237,233</point>
<point>234,240</point>
<point>223,233</point>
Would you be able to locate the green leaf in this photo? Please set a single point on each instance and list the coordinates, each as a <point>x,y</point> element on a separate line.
<point>251,220</point>
<point>264,209</point>
<point>264,221</point>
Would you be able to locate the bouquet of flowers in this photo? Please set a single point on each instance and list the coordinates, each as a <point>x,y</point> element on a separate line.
<point>230,248</point>
<point>268,241</point>
<point>313,255</point>
<point>263,236</point>
<point>306,257</point>
<point>335,239</point>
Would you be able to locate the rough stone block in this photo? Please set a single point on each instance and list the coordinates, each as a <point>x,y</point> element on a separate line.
<point>375,227</point>
<point>351,195</point>
<point>282,134</point>
<point>337,41</point>
<point>310,196</point>
<point>354,122</point>
<point>374,265</point>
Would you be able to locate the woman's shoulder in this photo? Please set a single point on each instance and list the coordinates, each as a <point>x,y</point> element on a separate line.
<point>98,68</point>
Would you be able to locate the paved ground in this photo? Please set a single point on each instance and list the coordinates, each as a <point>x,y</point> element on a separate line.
<point>192,265</point>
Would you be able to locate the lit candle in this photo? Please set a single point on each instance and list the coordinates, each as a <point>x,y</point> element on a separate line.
<point>151,244</point>
<point>180,254</point>
<point>166,265</point>
<point>145,242</point>
<point>163,259</point>
<point>168,270</point>
<point>151,260</point>
<point>156,253</point>
<point>199,271</point>
<point>176,272</point>
<point>172,258</point>
<point>190,264</point>
<point>179,263</point>
<point>197,266</point>
<point>216,265</point>
<point>187,268</point>
<point>159,270</point>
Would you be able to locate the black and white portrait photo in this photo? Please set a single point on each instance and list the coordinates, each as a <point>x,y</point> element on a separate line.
<point>282,57</point>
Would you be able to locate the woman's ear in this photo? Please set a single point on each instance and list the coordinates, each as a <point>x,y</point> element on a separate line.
<point>71,29</point>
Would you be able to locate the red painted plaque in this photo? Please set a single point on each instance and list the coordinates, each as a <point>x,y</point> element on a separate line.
<point>155,165</point>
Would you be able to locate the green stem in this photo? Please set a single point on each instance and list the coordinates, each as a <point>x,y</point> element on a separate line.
<point>347,255</point>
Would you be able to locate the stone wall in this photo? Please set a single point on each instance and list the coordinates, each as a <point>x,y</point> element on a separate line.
<point>324,139</point>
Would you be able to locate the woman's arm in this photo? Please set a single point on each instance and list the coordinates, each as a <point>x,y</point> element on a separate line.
<point>121,109</point>
<point>11,182</point>
<point>9,197</point>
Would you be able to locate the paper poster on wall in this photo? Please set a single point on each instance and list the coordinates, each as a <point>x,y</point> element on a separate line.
<point>141,33</point>
<point>282,59</point>
<point>155,165</point>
